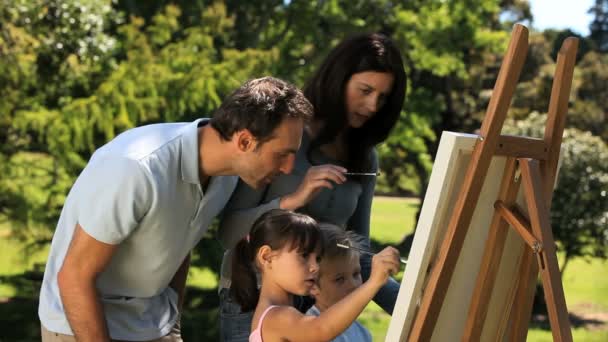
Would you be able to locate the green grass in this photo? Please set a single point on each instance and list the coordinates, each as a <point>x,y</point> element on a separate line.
<point>585,283</point>
<point>392,218</point>
<point>578,334</point>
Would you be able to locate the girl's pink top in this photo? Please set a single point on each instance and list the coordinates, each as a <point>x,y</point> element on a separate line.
<point>256,335</point>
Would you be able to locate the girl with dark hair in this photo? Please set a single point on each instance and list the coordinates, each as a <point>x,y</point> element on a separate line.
<point>284,248</point>
<point>357,94</point>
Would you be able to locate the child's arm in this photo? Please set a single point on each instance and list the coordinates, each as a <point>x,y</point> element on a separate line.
<point>288,323</point>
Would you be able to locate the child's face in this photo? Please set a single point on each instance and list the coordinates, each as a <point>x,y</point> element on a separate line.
<point>338,277</point>
<point>296,272</point>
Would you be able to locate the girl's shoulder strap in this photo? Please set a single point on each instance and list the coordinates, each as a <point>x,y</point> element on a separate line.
<point>256,335</point>
<point>264,315</point>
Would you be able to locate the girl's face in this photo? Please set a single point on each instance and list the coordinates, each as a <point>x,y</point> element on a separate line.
<point>366,93</point>
<point>294,271</point>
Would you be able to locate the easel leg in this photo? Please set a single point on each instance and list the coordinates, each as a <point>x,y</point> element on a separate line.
<point>491,257</point>
<point>549,269</point>
<point>521,313</point>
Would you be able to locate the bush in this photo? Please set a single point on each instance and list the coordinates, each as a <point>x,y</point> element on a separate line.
<point>579,212</point>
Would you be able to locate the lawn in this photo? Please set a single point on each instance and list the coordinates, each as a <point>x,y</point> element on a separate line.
<point>585,283</point>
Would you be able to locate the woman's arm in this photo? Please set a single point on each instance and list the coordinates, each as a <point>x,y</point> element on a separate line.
<point>360,224</point>
<point>241,211</point>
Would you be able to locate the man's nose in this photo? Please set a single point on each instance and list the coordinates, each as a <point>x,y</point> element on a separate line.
<point>287,166</point>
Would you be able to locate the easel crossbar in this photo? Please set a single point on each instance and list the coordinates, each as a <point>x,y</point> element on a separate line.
<point>522,147</point>
<point>520,224</point>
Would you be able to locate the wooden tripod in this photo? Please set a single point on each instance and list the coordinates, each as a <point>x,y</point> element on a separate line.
<point>533,161</point>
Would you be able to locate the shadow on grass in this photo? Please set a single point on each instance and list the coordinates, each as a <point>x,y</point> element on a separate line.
<point>540,316</point>
<point>20,313</point>
<point>541,321</point>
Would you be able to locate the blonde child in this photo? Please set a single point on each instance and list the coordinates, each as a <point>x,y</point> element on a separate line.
<point>285,248</point>
<point>339,275</point>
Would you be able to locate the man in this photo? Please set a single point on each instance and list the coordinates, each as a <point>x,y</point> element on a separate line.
<point>120,254</point>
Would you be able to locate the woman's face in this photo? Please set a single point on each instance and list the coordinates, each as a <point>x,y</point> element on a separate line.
<point>366,93</point>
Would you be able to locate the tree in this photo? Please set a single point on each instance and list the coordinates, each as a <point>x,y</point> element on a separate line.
<point>590,109</point>
<point>67,105</point>
<point>41,66</point>
<point>599,26</point>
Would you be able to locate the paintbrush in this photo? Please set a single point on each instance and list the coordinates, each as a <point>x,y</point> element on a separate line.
<point>364,251</point>
<point>361,173</point>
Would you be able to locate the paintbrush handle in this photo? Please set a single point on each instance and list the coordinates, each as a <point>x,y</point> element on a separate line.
<point>365,251</point>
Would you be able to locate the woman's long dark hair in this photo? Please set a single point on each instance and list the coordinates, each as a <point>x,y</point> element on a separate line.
<point>326,91</point>
<point>276,228</point>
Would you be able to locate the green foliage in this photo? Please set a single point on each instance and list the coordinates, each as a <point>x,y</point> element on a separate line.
<point>599,25</point>
<point>590,111</point>
<point>579,211</point>
<point>63,111</point>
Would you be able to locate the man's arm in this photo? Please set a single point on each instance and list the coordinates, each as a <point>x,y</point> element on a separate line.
<point>178,283</point>
<point>85,259</point>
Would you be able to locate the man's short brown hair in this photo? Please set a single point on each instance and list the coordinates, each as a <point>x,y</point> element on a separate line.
<point>260,105</point>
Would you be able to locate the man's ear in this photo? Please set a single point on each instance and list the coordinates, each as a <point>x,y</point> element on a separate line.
<point>264,257</point>
<point>245,141</point>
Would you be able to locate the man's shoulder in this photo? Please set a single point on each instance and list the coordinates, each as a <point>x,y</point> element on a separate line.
<point>140,142</point>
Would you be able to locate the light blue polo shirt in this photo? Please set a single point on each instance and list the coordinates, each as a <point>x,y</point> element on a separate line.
<point>140,191</point>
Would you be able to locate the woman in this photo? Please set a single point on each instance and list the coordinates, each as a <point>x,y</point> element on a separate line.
<point>357,95</point>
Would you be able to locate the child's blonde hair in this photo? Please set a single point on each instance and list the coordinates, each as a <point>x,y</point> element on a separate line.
<point>332,235</point>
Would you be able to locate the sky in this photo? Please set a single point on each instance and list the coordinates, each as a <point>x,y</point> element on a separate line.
<point>561,14</point>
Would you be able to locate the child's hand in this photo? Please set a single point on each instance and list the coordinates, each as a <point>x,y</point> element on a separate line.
<point>384,264</point>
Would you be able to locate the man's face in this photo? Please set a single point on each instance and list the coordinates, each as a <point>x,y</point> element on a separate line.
<point>338,277</point>
<point>262,164</point>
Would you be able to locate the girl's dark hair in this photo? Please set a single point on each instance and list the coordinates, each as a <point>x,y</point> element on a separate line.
<point>326,91</point>
<point>276,228</point>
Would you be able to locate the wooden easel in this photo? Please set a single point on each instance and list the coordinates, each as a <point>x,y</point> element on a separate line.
<point>533,161</point>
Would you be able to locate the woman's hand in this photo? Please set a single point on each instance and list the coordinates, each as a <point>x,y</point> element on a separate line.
<point>316,178</point>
